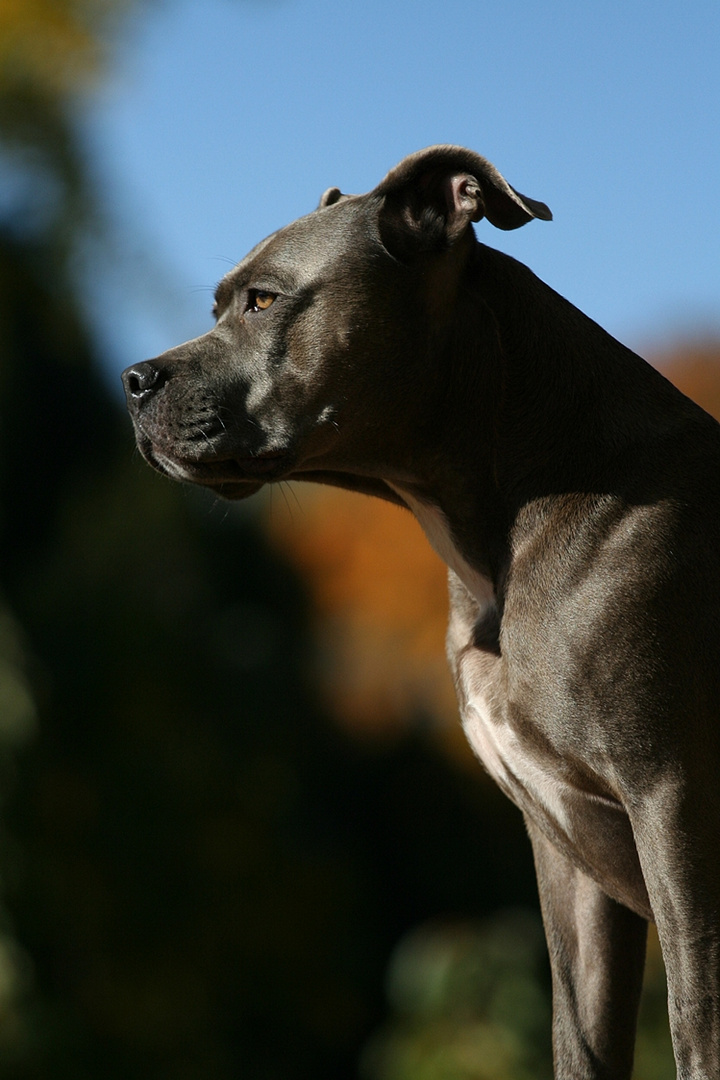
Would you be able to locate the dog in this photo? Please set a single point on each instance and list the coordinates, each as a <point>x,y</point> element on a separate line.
<point>574,494</point>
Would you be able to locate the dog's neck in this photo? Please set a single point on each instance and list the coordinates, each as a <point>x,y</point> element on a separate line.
<point>574,404</point>
<point>562,409</point>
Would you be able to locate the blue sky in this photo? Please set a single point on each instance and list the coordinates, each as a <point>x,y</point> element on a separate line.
<point>220,120</point>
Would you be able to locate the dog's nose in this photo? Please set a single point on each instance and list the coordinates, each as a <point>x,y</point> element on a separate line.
<point>142,381</point>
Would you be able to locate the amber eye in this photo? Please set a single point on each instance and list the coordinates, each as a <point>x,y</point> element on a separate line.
<point>259,300</point>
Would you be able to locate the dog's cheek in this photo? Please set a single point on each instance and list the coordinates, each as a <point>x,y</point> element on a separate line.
<point>261,395</point>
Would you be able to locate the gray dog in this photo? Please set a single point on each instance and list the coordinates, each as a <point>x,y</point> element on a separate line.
<point>574,495</point>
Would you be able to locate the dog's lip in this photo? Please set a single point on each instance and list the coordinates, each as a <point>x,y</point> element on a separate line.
<point>215,471</point>
<point>261,465</point>
<point>239,477</point>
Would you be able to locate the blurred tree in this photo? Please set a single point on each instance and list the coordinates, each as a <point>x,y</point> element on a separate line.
<point>380,604</point>
<point>471,1002</point>
<point>694,367</point>
<point>50,52</point>
<point>40,194</point>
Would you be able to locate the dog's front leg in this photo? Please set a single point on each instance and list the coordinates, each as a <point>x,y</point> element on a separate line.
<point>676,834</point>
<point>597,956</point>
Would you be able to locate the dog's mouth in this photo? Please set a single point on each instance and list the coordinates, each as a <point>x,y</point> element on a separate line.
<point>231,477</point>
<point>208,455</point>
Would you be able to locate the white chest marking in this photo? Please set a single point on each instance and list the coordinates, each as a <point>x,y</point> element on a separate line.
<point>435,526</point>
<point>493,739</point>
<point>529,783</point>
<point>538,784</point>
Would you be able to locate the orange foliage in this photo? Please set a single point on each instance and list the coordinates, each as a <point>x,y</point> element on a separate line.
<point>695,369</point>
<point>381,600</point>
<point>54,45</point>
<point>380,591</point>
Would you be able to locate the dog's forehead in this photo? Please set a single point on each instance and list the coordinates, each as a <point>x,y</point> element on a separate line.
<point>300,253</point>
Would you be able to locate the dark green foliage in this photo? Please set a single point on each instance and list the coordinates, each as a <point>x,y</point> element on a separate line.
<point>470,1003</point>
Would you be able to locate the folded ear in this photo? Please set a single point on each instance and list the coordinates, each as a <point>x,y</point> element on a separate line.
<point>431,197</point>
<point>329,197</point>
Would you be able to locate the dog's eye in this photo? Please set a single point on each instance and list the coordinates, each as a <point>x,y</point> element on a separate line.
<point>259,300</point>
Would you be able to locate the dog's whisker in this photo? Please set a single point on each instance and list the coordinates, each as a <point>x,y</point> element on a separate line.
<point>292,491</point>
<point>282,487</point>
<point>225,259</point>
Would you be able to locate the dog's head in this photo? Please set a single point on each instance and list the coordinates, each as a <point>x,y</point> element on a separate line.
<point>323,344</point>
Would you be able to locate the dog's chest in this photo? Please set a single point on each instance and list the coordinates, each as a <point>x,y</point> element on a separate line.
<point>584,822</point>
<point>504,751</point>
<point>530,773</point>
<point>494,741</point>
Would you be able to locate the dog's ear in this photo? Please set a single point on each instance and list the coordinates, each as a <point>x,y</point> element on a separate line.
<point>430,198</point>
<point>330,197</point>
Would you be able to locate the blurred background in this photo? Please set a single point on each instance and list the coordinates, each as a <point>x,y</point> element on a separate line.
<point>240,833</point>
